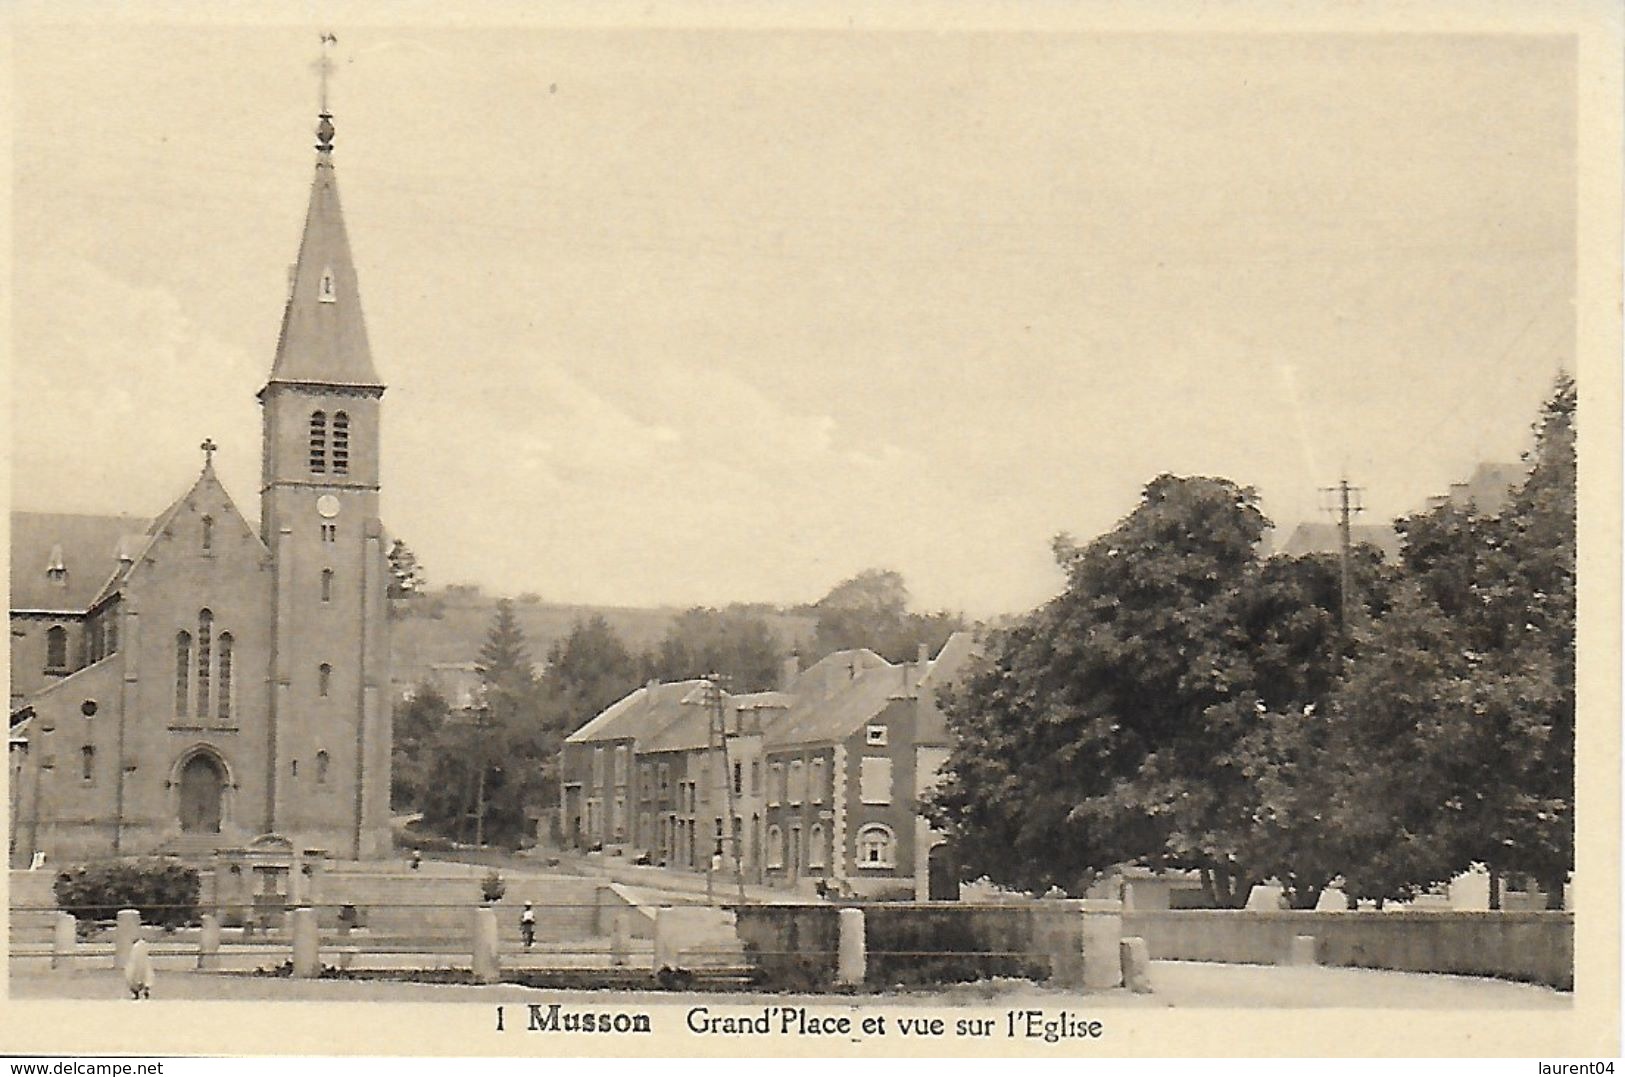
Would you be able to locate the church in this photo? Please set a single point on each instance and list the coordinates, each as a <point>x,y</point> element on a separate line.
<point>189,682</point>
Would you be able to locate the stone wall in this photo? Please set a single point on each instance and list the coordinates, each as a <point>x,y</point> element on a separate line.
<point>1533,946</point>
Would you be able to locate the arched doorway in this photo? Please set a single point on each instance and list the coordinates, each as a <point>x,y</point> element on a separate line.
<point>203,784</point>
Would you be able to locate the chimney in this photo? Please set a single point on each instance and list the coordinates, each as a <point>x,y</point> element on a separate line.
<point>789,670</point>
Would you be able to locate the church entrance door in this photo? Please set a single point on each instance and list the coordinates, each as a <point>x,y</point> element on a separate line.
<point>202,784</point>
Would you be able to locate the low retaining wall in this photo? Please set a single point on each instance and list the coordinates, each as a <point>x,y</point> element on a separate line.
<point>795,946</point>
<point>1533,946</point>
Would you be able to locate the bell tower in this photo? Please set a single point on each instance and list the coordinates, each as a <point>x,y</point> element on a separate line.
<point>328,735</point>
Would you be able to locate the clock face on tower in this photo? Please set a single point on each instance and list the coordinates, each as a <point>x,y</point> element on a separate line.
<point>327,506</point>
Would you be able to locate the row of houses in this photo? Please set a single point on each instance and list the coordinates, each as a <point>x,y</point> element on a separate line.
<point>818,783</point>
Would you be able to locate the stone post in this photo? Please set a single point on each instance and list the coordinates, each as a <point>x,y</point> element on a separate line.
<point>306,943</point>
<point>64,940</point>
<point>487,958</point>
<point>208,946</point>
<point>126,930</point>
<point>1102,944</point>
<point>852,957</point>
<point>1302,951</point>
<point>619,940</point>
<point>1136,966</point>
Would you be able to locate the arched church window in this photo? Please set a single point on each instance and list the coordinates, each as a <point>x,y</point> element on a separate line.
<point>321,767</point>
<point>208,533</point>
<point>183,670</point>
<point>327,585</point>
<point>341,443</point>
<point>324,678</point>
<point>56,649</point>
<point>205,657</point>
<point>223,708</point>
<point>318,441</point>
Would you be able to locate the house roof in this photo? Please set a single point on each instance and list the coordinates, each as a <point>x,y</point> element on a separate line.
<point>691,728</point>
<point>641,714</point>
<point>834,715</point>
<point>1321,536</point>
<point>323,338</point>
<point>87,547</point>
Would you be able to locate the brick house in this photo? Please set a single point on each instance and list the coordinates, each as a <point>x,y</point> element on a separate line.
<point>825,776</point>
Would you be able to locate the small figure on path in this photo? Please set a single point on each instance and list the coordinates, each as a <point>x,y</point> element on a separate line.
<point>417,860</point>
<point>527,925</point>
<point>138,971</point>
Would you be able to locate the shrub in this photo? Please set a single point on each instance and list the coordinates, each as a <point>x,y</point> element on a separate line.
<point>492,887</point>
<point>165,892</point>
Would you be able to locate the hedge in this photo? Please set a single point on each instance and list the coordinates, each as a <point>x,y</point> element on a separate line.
<point>165,892</point>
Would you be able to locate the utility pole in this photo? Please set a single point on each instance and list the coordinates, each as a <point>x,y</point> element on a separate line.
<point>1345,505</point>
<point>719,736</point>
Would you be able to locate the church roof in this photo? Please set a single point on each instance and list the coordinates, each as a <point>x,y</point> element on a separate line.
<point>86,548</point>
<point>324,339</point>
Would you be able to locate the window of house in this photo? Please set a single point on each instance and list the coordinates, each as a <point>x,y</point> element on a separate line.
<point>183,670</point>
<point>56,649</point>
<point>318,441</point>
<point>874,780</point>
<point>324,679</point>
<point>224,706</point>
<point>775,847</point>
<point>875,735</point>
<point>205,658</point>
<point>341,443</point>
<point>775,779</point>
<point>817,781</point>
<point>664,772</point>
<point>875,846</point>
<point>815,848</point>
<point>739,778</point>
<point>327,585</point>
<point>755,777</point>
<point>798,783</point>
<point>620,764</point>
<point>598,766</point>
<point>87,763</point>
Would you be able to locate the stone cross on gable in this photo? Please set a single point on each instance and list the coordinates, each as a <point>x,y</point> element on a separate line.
<point>208,448</point>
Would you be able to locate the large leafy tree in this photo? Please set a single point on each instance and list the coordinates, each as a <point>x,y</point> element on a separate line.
<point>736,642</point>
<point>1476,679</point>
<point>417,727</point>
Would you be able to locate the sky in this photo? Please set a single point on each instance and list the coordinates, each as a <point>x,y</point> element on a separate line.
<point>695,316</point>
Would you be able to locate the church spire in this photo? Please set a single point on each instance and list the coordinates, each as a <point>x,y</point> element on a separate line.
<point>324,340</point>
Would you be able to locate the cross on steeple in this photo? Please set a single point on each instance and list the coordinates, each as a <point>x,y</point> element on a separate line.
<point>208,448</point>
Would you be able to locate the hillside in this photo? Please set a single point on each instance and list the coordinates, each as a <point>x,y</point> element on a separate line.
<point>449,626</point>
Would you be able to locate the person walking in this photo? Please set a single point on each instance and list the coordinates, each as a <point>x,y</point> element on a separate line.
<point>138,971</point>
<point>527,925</point>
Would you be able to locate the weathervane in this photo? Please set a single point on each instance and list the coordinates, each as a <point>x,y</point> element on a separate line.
<point>324,64</point>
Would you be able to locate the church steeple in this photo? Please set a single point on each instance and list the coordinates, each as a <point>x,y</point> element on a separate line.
<point>324,340</point>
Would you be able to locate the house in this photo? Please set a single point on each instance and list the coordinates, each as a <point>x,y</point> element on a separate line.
<point>818,782</point>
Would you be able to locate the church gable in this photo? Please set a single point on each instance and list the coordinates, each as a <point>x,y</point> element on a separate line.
<point>204,530</point>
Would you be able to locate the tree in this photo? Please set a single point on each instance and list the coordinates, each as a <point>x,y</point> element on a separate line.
<point>406,576</point>
<point>587,671</point>
<point>1475,679</point>
<point>735,641</point>
<point>871,610</point>
<point>417,725</point>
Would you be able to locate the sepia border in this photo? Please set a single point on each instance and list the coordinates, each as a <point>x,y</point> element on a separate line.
<point>1589,1029</point>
